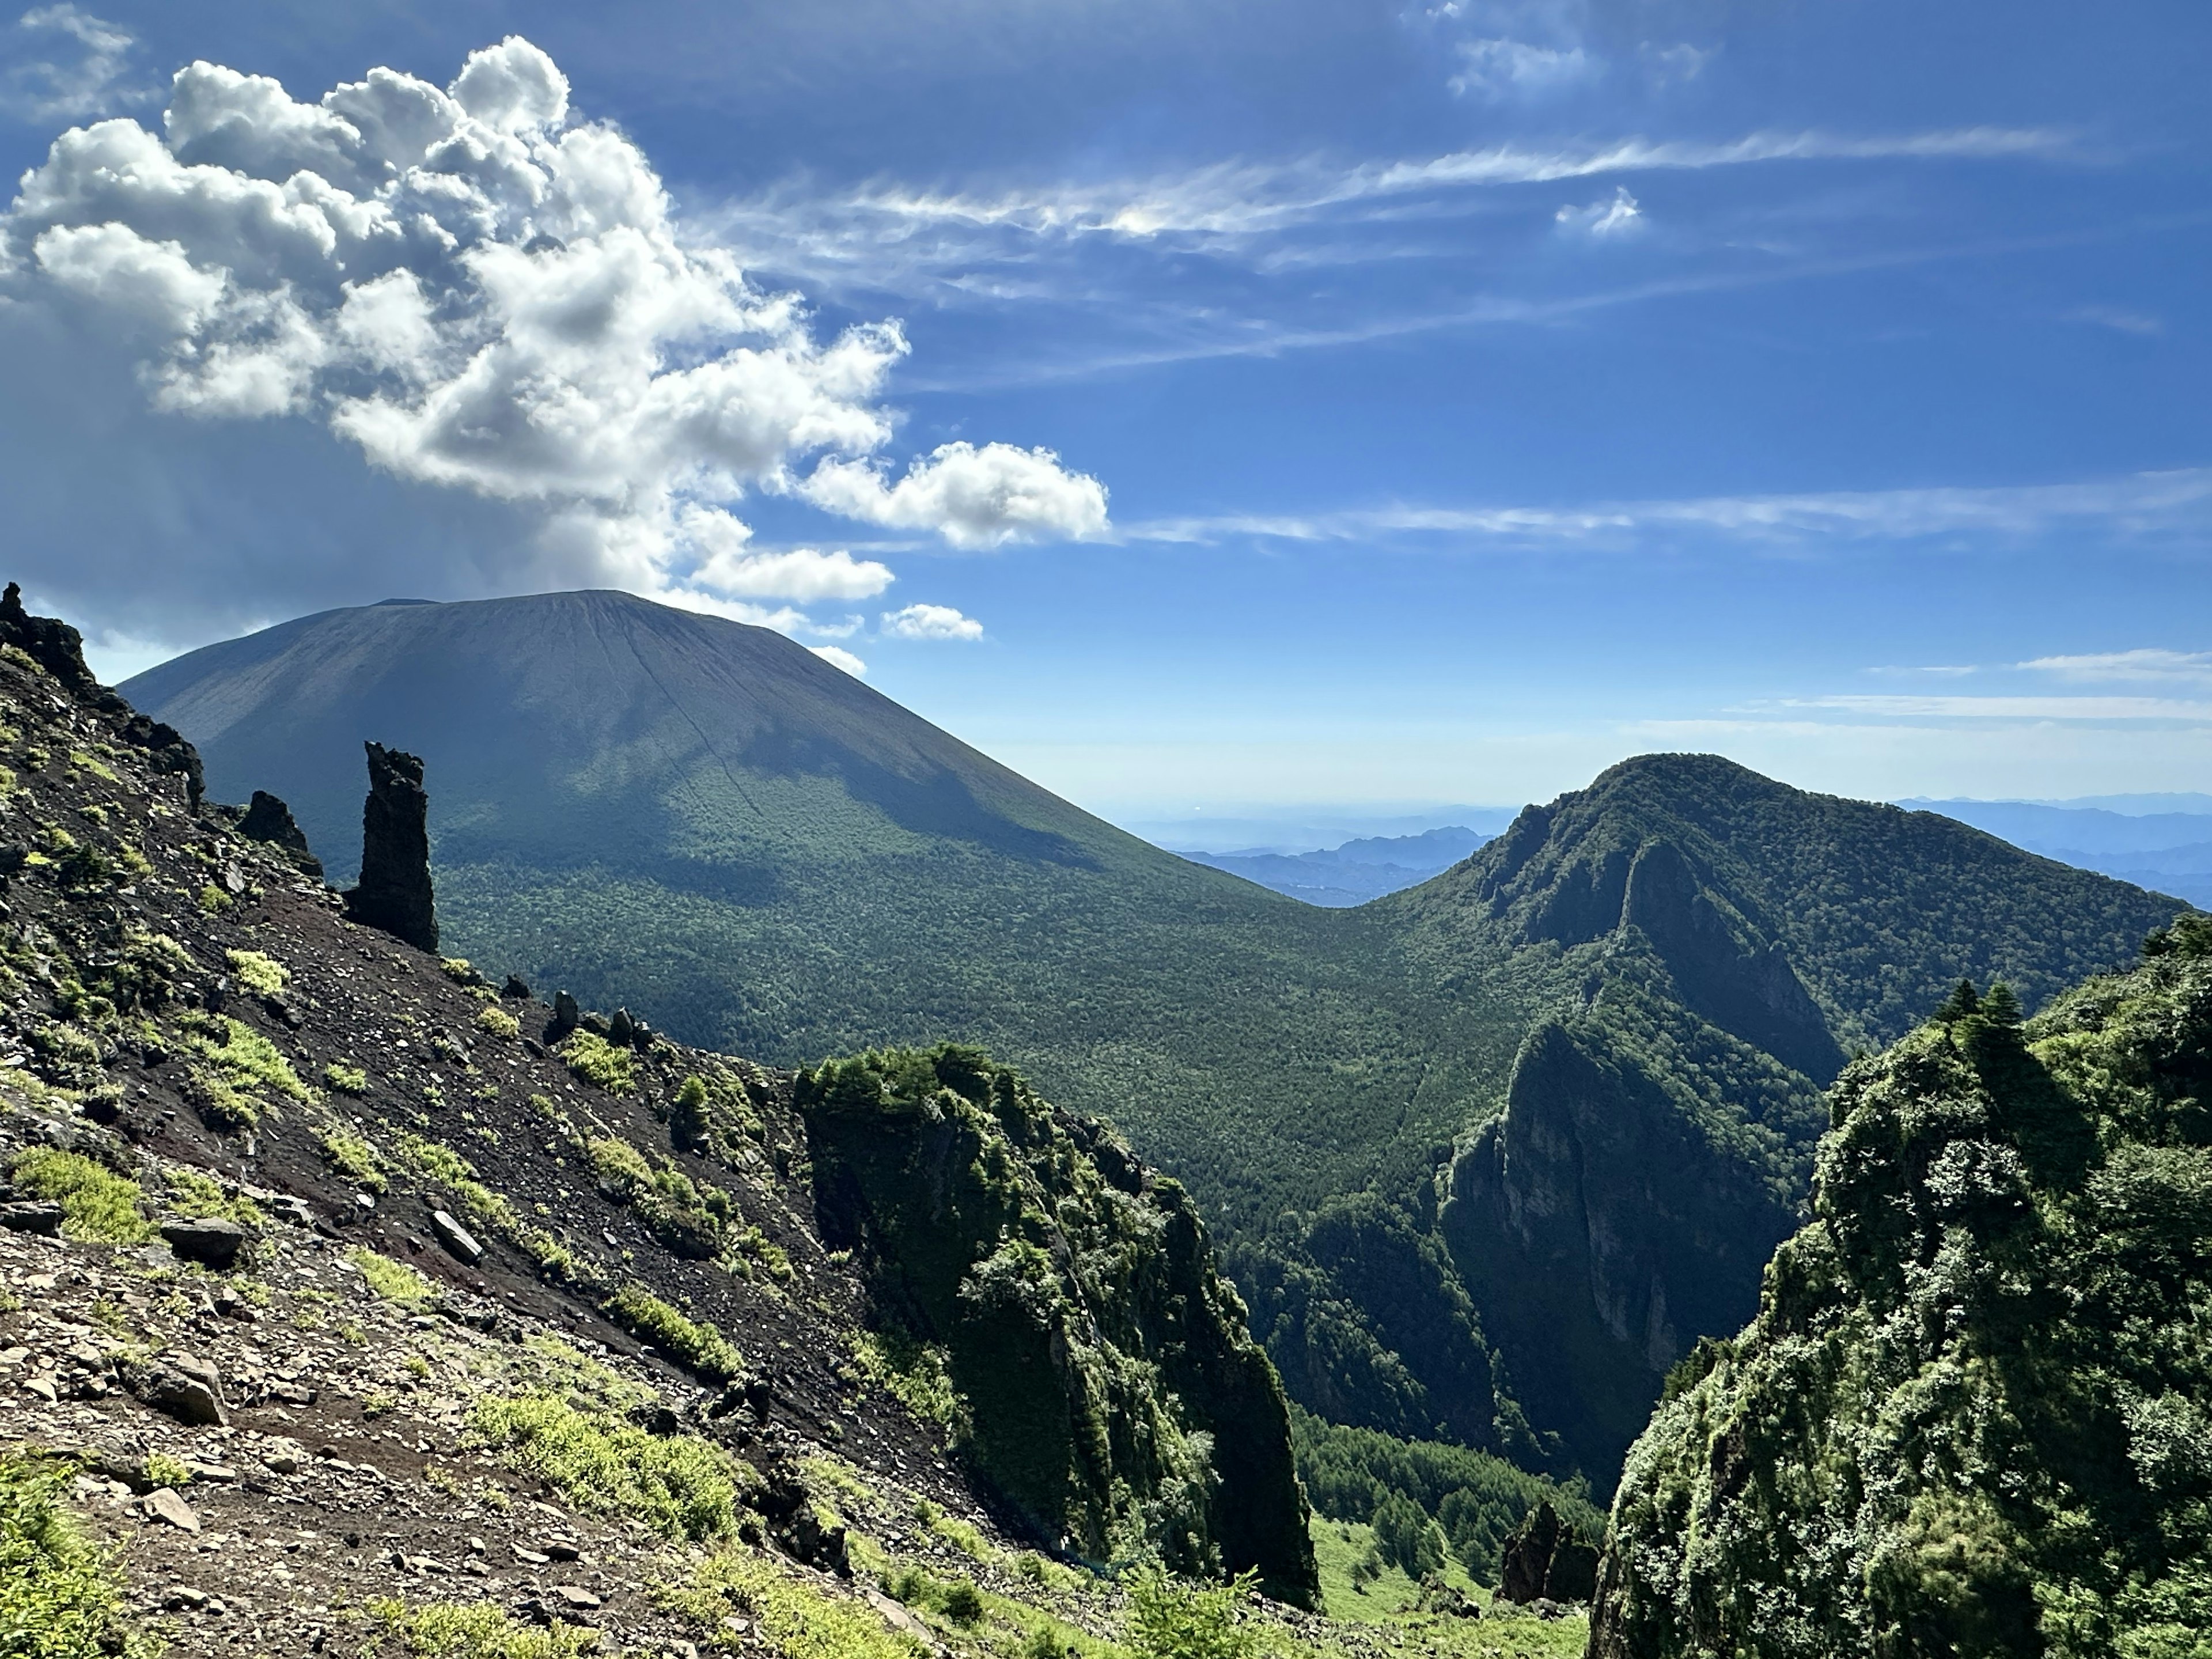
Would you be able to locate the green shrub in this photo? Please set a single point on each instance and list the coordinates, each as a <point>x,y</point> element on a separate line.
<point>595,1061</point>
<point>1172,1619</point>
<point>263,975</point>
<point>699,1346</point>
<point>98,1207</point>
<point>345,1080</point>
<point>496,1020</point>
<point>59,1596</point>
<point>620,1164</point>
<point>681,1485</point>
<point>913,1373</point>
<point>163,1470</point>
<point>963,1603</point>
<point>194,1195</point>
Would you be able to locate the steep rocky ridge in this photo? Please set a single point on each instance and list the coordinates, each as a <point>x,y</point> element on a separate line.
<point>1969,1416</point>
<point>1694,946</point>
<point>577,1235</point>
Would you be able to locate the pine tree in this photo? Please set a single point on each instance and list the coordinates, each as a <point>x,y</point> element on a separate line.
<point>2001,1006</point>
<point>1963,1002</point>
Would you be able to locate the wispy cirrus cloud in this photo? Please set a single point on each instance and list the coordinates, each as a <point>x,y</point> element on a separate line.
<point>2192,711</point>
<point>2142,503</point>
<point>1255,198</point>
<point>82,68</point>
<point>2145,665</point>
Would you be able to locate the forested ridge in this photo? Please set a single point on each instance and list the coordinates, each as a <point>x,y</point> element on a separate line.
<point>1971,1417</point>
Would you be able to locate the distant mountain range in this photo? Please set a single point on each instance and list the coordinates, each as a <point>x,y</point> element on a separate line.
<point>1356,871</point>
<point>2166,846</point>
<point>1486,1155</point>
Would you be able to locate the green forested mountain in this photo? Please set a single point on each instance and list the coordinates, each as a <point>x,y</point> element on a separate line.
<point>1485,1156</point>
<point>1974,1416</point>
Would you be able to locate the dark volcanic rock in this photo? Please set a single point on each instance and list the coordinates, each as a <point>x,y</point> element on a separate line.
<point>1543,1561</point>
<point>52,644</point>
<point>167,753</point>
<point>270,820</point>
<point>394,895</point>
<point>208,1241</point>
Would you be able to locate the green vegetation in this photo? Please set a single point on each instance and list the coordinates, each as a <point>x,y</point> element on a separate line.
<point>1094,1366</point>
<point>243,1070</point>
<point>352,1154</point>
<point>163,1470</point>
<point>1473,1500</point>
<point>595,1061</point>
<point>682,1486</point>
<point>97,1205</point>
<point>1172,1619</point>
<point>1969,1418</point>
<point>496,1020</point>
<point>796,1619</point>
<point>395,1281</point>
<point>262,975</point>
<point>191,1194</point>
<point>700,1347</point>
<point>58,1594</point>
<point>913,1373</point>
<point>345,1079</point>
<point>471,1630</point>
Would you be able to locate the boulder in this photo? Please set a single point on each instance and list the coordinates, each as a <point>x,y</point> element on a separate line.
<point>514,990</point>
<point>191,1400</point>
<point>394,895</point>
<point>32,1217</point>
<point>460,1243</point>
<point>163,1504</point>
<point>268,819</point>
<point>1544,1562</point>
<point>209,1241</point>
<point>566,1016</point>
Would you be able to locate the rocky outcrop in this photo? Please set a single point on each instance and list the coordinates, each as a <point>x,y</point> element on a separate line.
<point>1544,1561</point>
<point>1742,984</point>
<point>1602,1229</point>
<point>1103,1406</point>
<point>268,819</point>
<point>395,894</point>
<point>52,644</point>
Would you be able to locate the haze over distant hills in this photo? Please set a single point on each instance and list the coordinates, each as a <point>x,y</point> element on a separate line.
<point>1356,870</point>
<point>1486,1155</point>
<point>2163,842</point>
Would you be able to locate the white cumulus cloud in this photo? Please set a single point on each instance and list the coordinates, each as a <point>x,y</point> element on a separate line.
<point>931,622</point>
<point>837,656</point>
<point>973,497</point>
<point>482,290</point>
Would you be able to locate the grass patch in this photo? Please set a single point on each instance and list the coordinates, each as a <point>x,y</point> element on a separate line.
<point>470,1630</point>
<point>197,1196</point>
<point>796,1620</point>
<point>163,1470</point>
<point>913,1373</point>
<point>700,1347</point>
<point>243,1069</point>
<point>97,1205</point>
<point>352,1154</point>
<point>264,976</point>
<point>595,1061</point>
<point>345,1080</point>
<point>60,1598</point>
<point>395,1281</point>
<point>496,1020</point>
<point>679,1484</point>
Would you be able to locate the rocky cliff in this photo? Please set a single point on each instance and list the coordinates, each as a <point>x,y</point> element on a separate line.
<point>1969,1416</point>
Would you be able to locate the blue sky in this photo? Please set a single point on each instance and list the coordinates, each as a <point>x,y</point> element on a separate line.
<point>1347,405</point>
